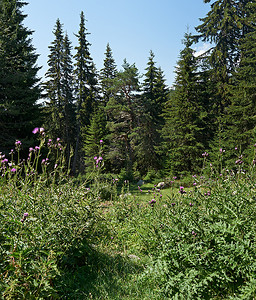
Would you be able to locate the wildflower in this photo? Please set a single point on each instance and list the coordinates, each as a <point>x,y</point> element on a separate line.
<point>35,130</point>
<point>101,141</point>
<point>95,157</point>
<point>37,148</point>
<point>191,204</point>
<point>152,202</point>
<point>193,233</point>
<point>194,183</point>
<point>58,139</point>
<point>13,170</point>
<point>41,130</point>
<point>173,204</point>
<point>18,143</point>
<point>31,149</point>
<point>205,154</point>
<point>24,217</point>
<point>222,150</point>
<point>239,162</point>
<point>174,177</point>
<point>235,148</point>
<point>181,191</point>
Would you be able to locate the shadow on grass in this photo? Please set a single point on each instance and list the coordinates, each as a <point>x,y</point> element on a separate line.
<point>95,275</point>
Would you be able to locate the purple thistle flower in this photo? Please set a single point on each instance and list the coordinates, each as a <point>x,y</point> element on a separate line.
<point>18,143</point>
<point>35,130</point>
<point>95,157</point>
<point>181,191</point>
<point>25,215</point>
<point>101,141</point>
<point>13,170</point>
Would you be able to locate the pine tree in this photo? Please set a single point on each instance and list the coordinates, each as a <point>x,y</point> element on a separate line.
<point>107,74</point>
<point>153,98</point>
<point>68,97</point>
<point>241,132</point>
<point>122,118</point>
<point>53,86</point>
<point>223,27</point>
<point>85,89</point>
<point>97,131</point>
<point>182,132</point>
<point>19,84</point>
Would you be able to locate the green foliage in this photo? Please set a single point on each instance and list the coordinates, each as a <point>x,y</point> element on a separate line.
<point>184,113</point>
<point>19,84</point>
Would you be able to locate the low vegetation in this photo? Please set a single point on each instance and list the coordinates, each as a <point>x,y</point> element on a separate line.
<point>98,238</point>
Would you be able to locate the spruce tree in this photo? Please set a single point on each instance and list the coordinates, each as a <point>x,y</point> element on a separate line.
<point>85,90</point>
<point>53,86</point>
<point>122,118</point>
<point>107,74</point>
<point>182,132</point>
<point>223,27</point>
<point>68,97</point>
<point>153,98</point>
<point>241,131</point>
<point>19,84</point>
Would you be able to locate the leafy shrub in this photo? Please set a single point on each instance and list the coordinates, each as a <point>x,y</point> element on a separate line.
<point>208,245</point>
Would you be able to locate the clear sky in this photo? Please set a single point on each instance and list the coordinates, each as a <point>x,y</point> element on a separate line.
<point>131,27</point>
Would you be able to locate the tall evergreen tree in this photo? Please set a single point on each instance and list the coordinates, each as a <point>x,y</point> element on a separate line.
<point>153,98</point>
<point>85,89</point>
<point>183,128</point>
<point>107,74</point>
<point>68,96</point>
<point>223,28</point>
<point>122,118</point>
<point>19,84</point>
<point>53,85</point>
<point>241,131</point>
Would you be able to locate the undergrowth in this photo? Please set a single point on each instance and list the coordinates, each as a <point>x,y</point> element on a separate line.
<point>66,239</point>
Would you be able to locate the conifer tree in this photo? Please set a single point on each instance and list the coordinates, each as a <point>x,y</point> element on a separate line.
<point>94,139</point>
<point>241,131</point>
<point>85,89</point>
<point>153,98</point>
<point>107,74</point>
<point>68,96</point>
<point>54,87</point>
<point>19,84</point>
<point>223,27</point>
<point>182,132</point>
<point>122,118</point>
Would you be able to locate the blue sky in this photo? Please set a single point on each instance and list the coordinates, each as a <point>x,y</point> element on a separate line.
<point>131,27</point>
